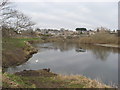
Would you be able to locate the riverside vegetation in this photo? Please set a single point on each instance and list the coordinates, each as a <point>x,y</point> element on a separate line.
<point>98,38</point>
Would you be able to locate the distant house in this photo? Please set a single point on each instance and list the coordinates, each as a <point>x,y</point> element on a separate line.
<point>103,30</point>
<point>113,32</point>
<point>54,32</point>
<point>91,32</point>
<point>44,31</point>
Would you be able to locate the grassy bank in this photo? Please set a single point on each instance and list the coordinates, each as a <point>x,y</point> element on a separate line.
<point>12,43</point>
<point>43,79</point>
<point>16,51</point>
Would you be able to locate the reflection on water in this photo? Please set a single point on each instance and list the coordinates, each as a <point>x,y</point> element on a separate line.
<point>92,61</point>
<point>99,52</point>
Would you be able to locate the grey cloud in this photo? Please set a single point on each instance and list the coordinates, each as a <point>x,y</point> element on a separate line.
<point>72,15</point>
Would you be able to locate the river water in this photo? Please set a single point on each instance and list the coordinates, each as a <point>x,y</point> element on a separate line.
<point>95,62</point>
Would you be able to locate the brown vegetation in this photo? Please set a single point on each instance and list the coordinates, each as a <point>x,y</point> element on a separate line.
<point>44,79</point>
<point>98,38</point>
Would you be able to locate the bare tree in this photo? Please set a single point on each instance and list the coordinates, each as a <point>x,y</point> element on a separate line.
<point>6,12</point>
<point>22,22</point>
<point>12,18</point>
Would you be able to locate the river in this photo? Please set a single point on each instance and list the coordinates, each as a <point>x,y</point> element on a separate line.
<point>95,62</point>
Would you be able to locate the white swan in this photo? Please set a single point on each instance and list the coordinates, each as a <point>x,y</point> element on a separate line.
<point>36,61</point>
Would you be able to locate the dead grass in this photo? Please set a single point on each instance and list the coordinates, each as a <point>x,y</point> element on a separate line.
<point>13,81</point>
<point>82,81</point>
<point>43,79</point>
<point>98,38</point>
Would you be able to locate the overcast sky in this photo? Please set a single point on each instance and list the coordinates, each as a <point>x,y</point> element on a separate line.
<point>70,15</point>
